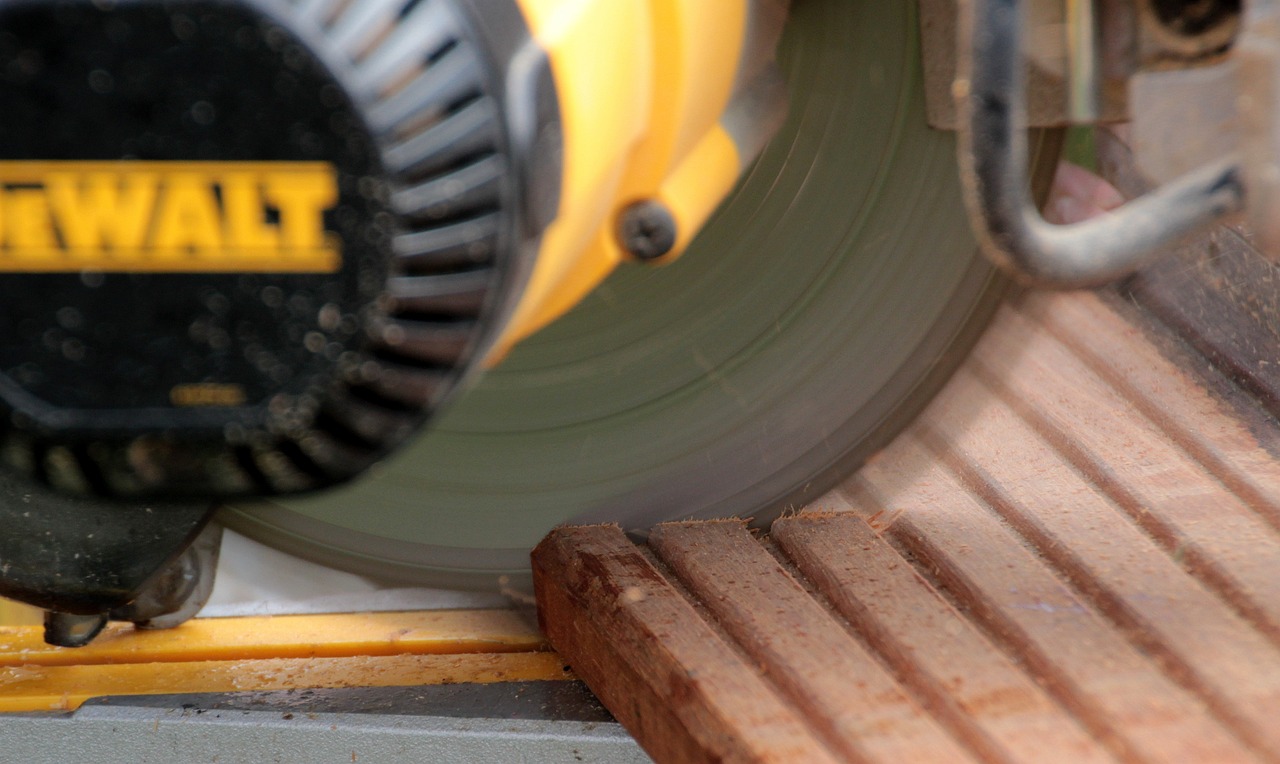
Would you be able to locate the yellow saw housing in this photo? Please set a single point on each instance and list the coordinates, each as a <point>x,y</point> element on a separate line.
<point>660,100</point>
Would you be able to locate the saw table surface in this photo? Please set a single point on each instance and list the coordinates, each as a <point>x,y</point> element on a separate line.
<point>1072,555</point>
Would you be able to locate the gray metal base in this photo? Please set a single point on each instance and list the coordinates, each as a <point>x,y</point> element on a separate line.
<point>251,728</point>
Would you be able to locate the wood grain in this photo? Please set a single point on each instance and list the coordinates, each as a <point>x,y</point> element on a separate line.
<point>978,692</point>
<point>1165,491</point>
<point>1219,294</point>
<point>1124,698</point>
<point>1112,562</point>
<point>1100,335</point>
<point>808,655</point>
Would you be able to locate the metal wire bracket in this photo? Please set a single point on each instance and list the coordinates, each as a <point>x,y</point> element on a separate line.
<point>991,96</point>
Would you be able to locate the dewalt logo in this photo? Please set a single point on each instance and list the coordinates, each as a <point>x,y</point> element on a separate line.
<point>174,217</point>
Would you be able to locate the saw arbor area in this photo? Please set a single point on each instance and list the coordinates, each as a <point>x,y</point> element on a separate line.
<point>1071,556</point>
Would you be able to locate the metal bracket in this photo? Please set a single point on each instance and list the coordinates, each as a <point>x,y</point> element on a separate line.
<point>1258,54</point>
<point>85,559</point>
<point>1044,56</point>
<point>991,95</point>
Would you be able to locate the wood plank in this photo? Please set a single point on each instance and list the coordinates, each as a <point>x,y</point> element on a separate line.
<point>1166,492</point>
<point>654,662</point>
<point>1219,293</point>
<point>1230,666</point>
<point>979,693</point>
<point>798,645</point>
<point>1211,431</point>
<point>1118,693</point>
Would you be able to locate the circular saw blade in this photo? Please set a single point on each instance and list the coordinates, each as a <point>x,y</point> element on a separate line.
<point>809,322</point>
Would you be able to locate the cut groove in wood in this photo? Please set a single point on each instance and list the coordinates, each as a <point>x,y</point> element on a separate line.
<point>1206,428</point>
<point>1119,694</point>
<point>1231,667</point>
<point>1193,516</point>
<point>983,697</point>
<point>808,656</point>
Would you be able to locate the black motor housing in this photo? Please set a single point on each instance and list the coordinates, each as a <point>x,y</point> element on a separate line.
<point>242,252</point>
<point>246,248</point>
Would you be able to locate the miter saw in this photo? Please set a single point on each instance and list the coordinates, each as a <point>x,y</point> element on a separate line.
<point>399,285</point>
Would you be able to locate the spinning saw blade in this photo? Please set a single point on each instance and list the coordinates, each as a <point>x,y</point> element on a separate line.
<point>811,319</point>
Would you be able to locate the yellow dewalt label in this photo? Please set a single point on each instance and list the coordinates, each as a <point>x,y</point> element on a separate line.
<point>174,217</point>
<point>207,394</point>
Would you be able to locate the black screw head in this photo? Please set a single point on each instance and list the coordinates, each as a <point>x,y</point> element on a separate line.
<point>647,229</point>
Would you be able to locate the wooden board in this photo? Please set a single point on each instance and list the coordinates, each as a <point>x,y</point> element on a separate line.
<point>1073,555</point>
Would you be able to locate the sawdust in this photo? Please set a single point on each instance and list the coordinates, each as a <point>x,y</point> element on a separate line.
<point>16,674</point>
